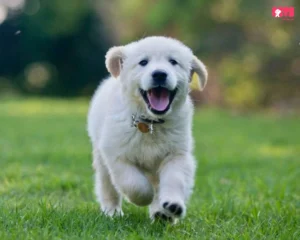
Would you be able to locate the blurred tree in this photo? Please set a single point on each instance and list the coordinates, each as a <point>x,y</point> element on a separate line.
<point>54,48</point>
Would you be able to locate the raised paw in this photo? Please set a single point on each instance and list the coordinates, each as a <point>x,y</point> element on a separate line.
<point>175,209</point>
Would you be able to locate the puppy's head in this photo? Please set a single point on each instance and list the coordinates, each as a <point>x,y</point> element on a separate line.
<point>155,72</point>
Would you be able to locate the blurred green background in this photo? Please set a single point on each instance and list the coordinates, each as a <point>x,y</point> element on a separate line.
<point>56,48</point>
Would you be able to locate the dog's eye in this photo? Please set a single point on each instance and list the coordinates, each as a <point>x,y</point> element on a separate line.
<point>173,62</point>
<point>143,62</point>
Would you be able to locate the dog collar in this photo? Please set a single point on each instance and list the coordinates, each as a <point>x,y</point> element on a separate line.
<point>144,124</point>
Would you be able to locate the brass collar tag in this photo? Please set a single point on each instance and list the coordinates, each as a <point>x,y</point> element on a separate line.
<point>142,126</point>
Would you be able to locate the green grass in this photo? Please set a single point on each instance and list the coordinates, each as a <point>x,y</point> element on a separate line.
<point>247,186</point>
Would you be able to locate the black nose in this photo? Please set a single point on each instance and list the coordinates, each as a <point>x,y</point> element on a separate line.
<point>159,76</point>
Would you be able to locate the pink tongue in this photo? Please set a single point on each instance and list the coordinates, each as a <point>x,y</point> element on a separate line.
<point>159,98</point>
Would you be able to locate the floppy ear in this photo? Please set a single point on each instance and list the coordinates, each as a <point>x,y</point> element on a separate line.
<point>199,71</point>
<point>114,58</point>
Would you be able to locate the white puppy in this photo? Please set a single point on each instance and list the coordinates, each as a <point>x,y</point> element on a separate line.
<point>140,122</point>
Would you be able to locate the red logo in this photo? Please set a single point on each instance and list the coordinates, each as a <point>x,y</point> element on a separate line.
<point>285,13</point>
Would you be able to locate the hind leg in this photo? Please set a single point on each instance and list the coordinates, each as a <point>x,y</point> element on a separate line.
<point>106,193</point>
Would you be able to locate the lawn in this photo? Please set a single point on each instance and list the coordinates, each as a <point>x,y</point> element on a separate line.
<point>247,186</point>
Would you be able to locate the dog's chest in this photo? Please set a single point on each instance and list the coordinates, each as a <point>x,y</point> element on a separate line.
<point>146,150</point>
<point>142,149</point>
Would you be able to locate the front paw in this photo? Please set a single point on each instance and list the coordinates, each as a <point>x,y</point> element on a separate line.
<point>160,216</point>
<point>174,209</point>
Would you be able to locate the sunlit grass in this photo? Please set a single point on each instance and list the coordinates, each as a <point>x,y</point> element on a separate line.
<point>247,184</point>
<point>279,151</point>
<point>39,107</point>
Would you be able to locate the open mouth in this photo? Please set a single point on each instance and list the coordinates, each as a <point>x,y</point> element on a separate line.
<point>158,99</point>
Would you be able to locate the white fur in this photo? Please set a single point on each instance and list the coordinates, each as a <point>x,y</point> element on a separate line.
<point>148,169</point>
